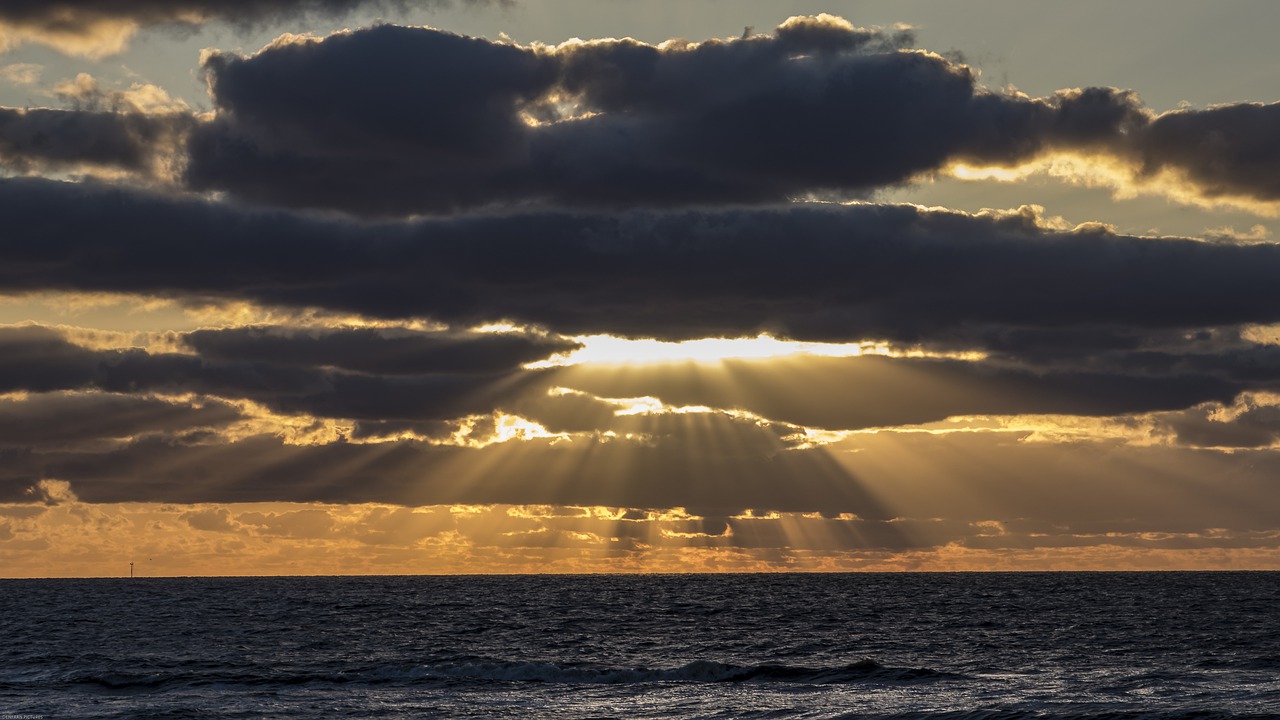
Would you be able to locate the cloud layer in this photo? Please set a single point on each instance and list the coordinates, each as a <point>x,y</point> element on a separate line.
<point>819,107</point>
<point>802,271</point>
<point>394,121</point>
<point>389,243</point>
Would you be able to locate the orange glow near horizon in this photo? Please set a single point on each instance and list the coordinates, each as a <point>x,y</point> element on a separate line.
<point>73,539</point>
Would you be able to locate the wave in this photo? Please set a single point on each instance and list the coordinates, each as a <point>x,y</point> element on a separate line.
<point>699,671</point>
<point>1058,714</point>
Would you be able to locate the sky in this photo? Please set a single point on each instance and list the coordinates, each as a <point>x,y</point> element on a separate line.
<point>358,287</point>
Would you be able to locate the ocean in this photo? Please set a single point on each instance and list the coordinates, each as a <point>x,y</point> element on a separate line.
<point>927,645</point>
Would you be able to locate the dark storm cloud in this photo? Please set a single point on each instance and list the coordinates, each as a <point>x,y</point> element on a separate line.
<point>1249,424</point>
<point>391,121</point>
<point>1260,363</point>
<point>1223,352</point>
<point>1230,150</point>
<point>1075,345</point>
<point>377,351</point>
<point>140,131</point>
<point>1227,151</point>
<point>53,140</point>
<point>59,419</point>
<point>39,359</point>
<point>295,120</point>
<point>315,111</point>
<point>394,120</point>
<point>804,271</point>
<point>1011,129</point>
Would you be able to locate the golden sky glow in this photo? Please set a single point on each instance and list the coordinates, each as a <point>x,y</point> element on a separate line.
<point>615,350</point>
<point>66,535</point>
<point>1125,180</point>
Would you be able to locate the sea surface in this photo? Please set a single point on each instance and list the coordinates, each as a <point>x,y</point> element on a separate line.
<point>999,645</point>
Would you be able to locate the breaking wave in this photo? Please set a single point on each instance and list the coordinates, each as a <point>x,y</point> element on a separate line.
<point>699,671</point>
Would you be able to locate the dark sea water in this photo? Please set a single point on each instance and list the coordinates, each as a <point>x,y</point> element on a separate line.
<point>1061,645</point>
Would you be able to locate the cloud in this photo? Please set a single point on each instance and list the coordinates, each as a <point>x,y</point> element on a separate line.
<point>370,123</point>
<point>45,140</point>
<point>210,520</point>
<point>53,420</point>
<point>448,141</point>
<point>53,492</point>
<point>849,393</point>
<point>1222,156</point>
<point>137,132</point>
<point>318,386</point>
<point>22,73</point>
<point>716,467</point>
<point>1252,421</point>
<point>377,351</point>
<point>603,122</point>
<point>86,93</point>
<point>1224,151</point>
<point>98,28</point>
<point>700,480</point>
<point>364,121</point>
<point>76,538</point>
<point>1052,389</point>
<point>752,469</point>
<point>817,272</point>
<point>37,359</point>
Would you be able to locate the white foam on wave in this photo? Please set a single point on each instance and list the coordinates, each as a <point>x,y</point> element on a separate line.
<point>698,671</point>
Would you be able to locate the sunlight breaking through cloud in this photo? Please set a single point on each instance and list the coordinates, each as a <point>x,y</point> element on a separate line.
<point>606,349</point>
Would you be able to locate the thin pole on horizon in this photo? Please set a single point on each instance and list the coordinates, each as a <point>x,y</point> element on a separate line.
<point>130,569</point>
